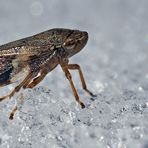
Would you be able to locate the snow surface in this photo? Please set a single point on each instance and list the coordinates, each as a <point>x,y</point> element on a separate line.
<point>115,65</point>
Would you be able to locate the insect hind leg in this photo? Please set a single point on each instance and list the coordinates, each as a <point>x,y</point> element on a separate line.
<point>12,113</point>
<point>17,88</point>
<point>37,80</point>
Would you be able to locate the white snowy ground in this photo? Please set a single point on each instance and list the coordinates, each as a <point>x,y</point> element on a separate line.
<point>115,65</point>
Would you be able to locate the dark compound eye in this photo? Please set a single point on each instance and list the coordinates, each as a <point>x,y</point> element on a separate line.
<point>69,42</point>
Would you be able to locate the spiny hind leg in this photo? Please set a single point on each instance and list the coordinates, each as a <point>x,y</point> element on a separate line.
<point>84,86</point>
<point>25,82</point>
<point>32,84</point>
<point>11,116</point>
<point>17,88</point>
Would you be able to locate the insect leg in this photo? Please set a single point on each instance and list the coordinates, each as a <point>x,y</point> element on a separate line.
<point>15,108</point>
<point>37,80</point>
<point>17,88</point>
<point>69,77</point>
<point>12,113</point>
<point>84,86</point>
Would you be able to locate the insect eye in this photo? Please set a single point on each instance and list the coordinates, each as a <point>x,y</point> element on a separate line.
<point>70,43</point>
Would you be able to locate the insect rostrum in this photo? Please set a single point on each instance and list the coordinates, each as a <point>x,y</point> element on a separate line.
<point>40,54</point>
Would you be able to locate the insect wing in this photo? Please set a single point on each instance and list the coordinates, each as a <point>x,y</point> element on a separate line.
<point>5,71</point>
<point>16,63</point>
<point>11,71</point>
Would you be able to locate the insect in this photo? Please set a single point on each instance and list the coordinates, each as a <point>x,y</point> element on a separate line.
<point>35,56</point>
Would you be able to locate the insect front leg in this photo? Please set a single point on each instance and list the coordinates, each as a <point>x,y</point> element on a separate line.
<point>69,77</point>
<point>17,88</point>
<point>84,86</point>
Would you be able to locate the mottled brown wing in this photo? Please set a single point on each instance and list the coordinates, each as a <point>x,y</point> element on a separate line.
<point>15,62</point>
<point>5,70</point>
